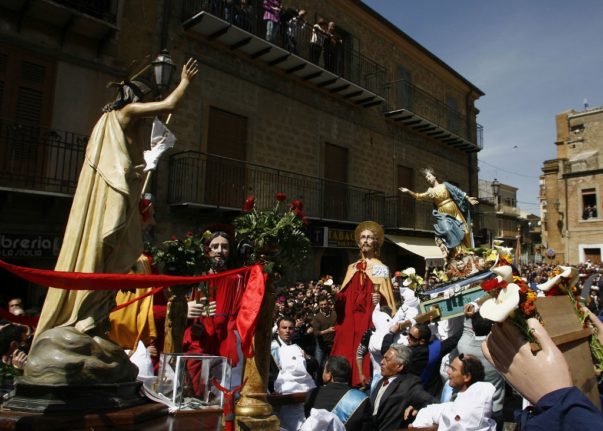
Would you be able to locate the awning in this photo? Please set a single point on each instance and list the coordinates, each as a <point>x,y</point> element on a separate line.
<point>424,247</point>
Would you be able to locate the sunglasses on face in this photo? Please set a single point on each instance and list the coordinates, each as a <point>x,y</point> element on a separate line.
<point>412,337</point>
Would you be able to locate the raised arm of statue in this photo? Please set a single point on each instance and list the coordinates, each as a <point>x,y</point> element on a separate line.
<point>150,109</point>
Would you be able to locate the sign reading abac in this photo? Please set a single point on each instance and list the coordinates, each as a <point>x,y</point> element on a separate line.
<point>340,238</point>
<point>334,238</point>
<point>28,245</point>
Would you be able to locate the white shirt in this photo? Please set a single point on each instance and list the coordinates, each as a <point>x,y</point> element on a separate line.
<point>380,393</point>
<point>470,411</point>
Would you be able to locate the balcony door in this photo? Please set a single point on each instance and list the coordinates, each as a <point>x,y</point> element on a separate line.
<point>26,87</point>
<point>225,174</point>
<point>335,186</point>
<point>406,209</point>
<point>403,89</point>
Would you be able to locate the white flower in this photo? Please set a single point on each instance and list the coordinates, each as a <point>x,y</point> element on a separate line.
<point>568,273</point>
<point>497,309</point>
<point>409,271</point>
<point>505,272</point>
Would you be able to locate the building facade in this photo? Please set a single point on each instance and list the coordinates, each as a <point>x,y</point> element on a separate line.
<point>570,187</point>
<point>340,123</point>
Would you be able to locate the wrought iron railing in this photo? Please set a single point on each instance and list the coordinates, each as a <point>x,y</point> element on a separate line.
<point>298,38</point>
<point>405,212</point>
<point>40,159</point>
<point>404,95</point>
<point>105,10</point>
<point>204,179</point>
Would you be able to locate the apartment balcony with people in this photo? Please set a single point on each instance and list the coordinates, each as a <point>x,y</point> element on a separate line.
<point>39,160</point>
<point>416,108</point>
<point>318,53</point>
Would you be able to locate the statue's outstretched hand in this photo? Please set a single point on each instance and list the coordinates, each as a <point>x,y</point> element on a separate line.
<point>403,189</point>
<point>189,70</point>
<point>472,200</point>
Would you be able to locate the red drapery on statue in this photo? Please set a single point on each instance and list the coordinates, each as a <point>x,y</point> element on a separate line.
<point>354,307</point>
<point>215,335</point>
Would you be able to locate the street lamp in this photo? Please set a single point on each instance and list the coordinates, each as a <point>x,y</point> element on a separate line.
<point>163,69</point>
<point>495,191</point>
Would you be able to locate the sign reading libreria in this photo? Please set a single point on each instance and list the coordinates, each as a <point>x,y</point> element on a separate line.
<point>28,245</point>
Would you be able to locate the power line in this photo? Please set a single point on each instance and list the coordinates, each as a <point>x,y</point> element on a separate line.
<point>509,172</point>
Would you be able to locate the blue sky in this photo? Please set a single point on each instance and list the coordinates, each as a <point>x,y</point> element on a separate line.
<point>532,58</point>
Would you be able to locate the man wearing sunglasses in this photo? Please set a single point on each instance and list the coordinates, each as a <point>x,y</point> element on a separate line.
<point>426,353</point>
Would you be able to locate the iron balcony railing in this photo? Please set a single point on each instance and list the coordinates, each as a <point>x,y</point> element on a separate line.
<point>404,95</point>
<point>40,159</point>
<point>207,180</point>
<point>332,54</point>
<point>105,10</point>
<point>405,212</point>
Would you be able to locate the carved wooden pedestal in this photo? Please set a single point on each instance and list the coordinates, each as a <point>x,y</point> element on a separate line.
<point>561,322</point>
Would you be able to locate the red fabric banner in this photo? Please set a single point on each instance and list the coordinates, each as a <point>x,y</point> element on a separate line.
<point>246,319</point>
<point>94,281</point>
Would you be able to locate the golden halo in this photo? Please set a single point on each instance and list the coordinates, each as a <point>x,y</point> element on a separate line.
<point>373,227</point>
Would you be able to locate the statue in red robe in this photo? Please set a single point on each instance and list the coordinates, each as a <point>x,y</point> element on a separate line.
<point>354,303</point>
<point>217,334</point>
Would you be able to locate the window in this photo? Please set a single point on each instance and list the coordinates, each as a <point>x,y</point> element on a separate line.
<point>26,87</point>
<point>589,204</point>
<point>407,208</point>
<point>225,181</point>
<point>455,120</point>
<point>593,254</point>
<point>336,178</point>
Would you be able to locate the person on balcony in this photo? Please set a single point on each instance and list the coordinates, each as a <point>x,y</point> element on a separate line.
<point>272,18</point>
<point>453,220</point>
<point>317,41</point>
<point>295,27</point>
<point>331,49</point>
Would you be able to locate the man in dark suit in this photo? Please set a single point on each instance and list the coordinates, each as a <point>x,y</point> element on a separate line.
<point>396,391</point>
<point>355,409</point>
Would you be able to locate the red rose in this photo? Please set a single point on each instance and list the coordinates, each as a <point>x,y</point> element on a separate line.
<point>492,284</point>
<point>297,204</point>
<point>174,238</point>
<point>280,196</point>
<point>249,203</point>
<point>189,233</point>
<point>299,213</point>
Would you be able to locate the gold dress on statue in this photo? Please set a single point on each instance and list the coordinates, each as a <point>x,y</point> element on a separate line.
<point>444,203</point>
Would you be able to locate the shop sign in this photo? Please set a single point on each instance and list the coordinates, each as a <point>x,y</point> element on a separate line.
<point>340,238</point>
<point>28,245</point>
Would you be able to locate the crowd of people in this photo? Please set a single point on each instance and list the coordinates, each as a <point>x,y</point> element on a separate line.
<point>438,370</point>
<point>445,374</point>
